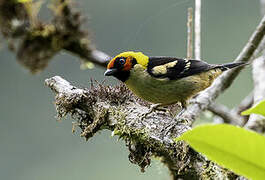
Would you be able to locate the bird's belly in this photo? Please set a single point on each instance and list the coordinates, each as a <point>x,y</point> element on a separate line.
<point>163,91</point>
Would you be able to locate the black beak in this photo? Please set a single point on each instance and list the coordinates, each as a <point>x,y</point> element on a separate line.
<point>110,72</point>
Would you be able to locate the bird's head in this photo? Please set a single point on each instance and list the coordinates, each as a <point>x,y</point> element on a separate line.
<point>121,65</point>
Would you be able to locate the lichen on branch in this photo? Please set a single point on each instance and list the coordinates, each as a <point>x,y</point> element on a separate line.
<point>36,43</point>
<point>117,109</point>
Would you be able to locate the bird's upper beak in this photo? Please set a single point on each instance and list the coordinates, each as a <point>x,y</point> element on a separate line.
<point>110,72</point>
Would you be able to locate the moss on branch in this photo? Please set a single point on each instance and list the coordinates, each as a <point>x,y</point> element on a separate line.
<point>35,42</point>
<point>118,110</point>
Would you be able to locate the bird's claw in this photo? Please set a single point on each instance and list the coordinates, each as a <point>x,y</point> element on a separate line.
<point>180,113</point>
<point>153,108</point>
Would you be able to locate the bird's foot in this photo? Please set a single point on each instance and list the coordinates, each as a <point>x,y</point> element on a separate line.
<point>153,108</point>
<point>180,113</point>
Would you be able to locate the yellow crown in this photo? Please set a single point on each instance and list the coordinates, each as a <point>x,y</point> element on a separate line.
<point>140,57</point>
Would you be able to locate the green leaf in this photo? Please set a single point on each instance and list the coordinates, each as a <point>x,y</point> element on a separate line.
<point>257,109</point>
<point>233,147</point>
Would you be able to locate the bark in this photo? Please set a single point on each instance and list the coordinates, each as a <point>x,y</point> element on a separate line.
<point>118,110</point>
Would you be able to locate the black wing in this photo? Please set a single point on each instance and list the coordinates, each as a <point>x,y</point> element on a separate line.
<point>175,68</point>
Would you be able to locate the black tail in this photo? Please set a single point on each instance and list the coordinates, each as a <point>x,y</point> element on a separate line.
<point>227,66</point>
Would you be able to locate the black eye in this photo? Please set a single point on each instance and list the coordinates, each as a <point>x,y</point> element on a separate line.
<point>122,61</point>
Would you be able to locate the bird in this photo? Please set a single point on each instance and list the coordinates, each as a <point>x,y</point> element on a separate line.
<point>163,80</point>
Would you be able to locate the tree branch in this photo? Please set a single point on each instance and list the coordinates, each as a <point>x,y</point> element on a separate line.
<point>257,122</point>
<point>118,110</point>
<point>246,103</point>
<point>228,116</point>
<point>203,100</point>
<point>88,54</point>
<point>36,42</point>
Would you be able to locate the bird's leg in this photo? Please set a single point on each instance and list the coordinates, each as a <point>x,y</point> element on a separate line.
<point>153,107</point>
<point>183,109</point>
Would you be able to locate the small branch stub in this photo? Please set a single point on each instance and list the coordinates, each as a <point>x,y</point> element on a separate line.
<point>189,34</point>
<point>197,29</point>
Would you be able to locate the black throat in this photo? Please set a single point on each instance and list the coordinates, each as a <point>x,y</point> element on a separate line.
<point>122,75</point>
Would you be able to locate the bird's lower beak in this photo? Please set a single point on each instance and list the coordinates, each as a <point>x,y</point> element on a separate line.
<point>110,72</point>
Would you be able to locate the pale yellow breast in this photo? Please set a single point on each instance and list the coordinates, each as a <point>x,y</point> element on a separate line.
<point>165,91</point>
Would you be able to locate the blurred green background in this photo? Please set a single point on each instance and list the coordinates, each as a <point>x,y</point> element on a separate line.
<point>34,146</point>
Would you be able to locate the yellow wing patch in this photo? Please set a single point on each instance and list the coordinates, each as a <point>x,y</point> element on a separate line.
<point>162,69</point>
<point>140,57</point>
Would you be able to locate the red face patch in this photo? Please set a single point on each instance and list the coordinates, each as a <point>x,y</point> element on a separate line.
<point>111,64</point>
<point>121,63</point>
<point>128,64</point>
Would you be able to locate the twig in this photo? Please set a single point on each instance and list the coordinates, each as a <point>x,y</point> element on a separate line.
<point>225,113</point>
<point>202,101</point>
<point>257,122</point>
<point>189,34</point>
<point>244,104</point>
<point>99,57</point>
<point>197,29</point>
<point>259,50</point>
<point>86,54</point>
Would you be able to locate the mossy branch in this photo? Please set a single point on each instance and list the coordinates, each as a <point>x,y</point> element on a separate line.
<point>118,110</point>
<point>36,42</point>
